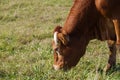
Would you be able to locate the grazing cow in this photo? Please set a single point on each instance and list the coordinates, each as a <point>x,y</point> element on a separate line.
<point>87,20</point>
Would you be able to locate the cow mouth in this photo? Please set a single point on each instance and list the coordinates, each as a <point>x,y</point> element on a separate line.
<point>56,67</point>
<point>64,68</point>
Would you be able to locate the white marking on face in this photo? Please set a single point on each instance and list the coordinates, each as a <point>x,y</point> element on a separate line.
<point>58,53</point>
<point>55,38</point>
<point>56,67</point>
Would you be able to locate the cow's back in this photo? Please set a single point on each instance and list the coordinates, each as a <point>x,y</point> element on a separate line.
<point>108,8</point>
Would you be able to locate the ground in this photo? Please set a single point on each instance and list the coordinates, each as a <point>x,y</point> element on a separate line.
<point>26,28</point>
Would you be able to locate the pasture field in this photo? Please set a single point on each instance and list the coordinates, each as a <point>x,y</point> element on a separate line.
<point>25,44</point>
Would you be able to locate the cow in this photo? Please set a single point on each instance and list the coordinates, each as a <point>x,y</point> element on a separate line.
<point>111,9</point>
<point>87,20</point>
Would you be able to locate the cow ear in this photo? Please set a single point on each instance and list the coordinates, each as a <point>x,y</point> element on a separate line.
<point>60,36</point>
<point>57,29</point>
<point>64,39</point>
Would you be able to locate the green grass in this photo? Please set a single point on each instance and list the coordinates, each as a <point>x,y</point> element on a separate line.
<point>25,43</point>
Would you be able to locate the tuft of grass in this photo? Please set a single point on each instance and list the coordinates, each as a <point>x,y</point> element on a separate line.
<point>25,43</point>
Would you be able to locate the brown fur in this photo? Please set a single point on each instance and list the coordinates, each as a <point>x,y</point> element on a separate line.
<point>84,23</point>
<point>111,9</point>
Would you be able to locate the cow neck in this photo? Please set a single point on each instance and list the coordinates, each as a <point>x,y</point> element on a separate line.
<point>79,18</point>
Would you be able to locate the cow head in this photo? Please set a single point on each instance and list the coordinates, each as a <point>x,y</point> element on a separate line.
<point>67,50</point>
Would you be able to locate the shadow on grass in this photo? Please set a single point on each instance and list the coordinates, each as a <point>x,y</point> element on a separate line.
<point>114,69</point>
<point>2,74</point>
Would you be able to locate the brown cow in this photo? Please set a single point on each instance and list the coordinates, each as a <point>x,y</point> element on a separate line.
<point>87,20</point>
<point>111,9</point>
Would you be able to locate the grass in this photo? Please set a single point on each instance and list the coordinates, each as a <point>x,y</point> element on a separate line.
<point>25,43</point>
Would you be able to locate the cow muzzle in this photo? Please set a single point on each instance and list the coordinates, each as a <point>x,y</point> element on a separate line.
<point>56,67</point>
